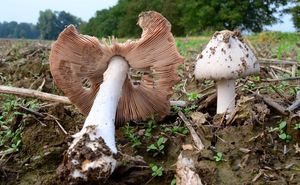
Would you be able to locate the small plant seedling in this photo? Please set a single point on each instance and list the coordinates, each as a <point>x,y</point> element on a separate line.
<point>218,157</point>
<point>129,133</point>
<point>178,87</point>
<point>248,86</point>
<point>16,145</point>
<point>173,182</point>
<point>177,130</point>
<point>282,131</point>
<point>10,139</point>
<point>282,134</point>
<point>156,170</point>
<point>176,109</point>
<point>297,126</point>
<point>282,125</point>
<point>286,137</point>
<point>187,110</point>
<point>157,147</point>
<point>150,125</point>
<point>192,96</point>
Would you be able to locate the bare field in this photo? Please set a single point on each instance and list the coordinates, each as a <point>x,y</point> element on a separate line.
<point>258,145</point>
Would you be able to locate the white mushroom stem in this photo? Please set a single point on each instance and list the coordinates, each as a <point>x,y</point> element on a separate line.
<point>226,96</point>
<point>100,124</point>
<point>104,109</point>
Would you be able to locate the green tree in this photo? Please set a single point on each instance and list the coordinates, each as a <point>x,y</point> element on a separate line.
<point>295,11</point>
<point>47,24</point>
<point>18,30</point>
<point>186,17</point>
<point>51,23</point>
<point>65,19</point>
<point>228,14</point>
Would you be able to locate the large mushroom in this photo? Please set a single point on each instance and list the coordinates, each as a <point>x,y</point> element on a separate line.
<point>226,58</point>
<point>113,96</point>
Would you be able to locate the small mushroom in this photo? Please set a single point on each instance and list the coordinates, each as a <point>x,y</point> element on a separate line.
<point>226,58</point>
<point>111,96</point>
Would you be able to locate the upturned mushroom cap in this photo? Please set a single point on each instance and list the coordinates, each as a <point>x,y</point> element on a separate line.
<point>226,56</point>
<point>75,58</point>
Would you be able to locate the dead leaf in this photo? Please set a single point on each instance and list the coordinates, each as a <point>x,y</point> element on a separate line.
<point>297,148</point>
<point>187,147</point>
<point>262,111</point>
<point>199,118</point>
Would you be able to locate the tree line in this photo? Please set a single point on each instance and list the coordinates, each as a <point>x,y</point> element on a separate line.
<point>188,17</point>
<point>49,25</point>
<point>18,30</point>
<point>295,11</point>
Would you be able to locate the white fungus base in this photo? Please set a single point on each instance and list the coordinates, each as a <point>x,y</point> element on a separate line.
<point>100,122</point>
<point>226,96</point>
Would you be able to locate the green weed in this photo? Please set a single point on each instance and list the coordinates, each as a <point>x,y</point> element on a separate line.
<point>218,157</point>
<point>150,125</point>
<point>157,147</point>
<point>297,126</point>
<point>173,182</point>
<point>157,171</point>
<point>10,140</point>
<point>187,110</point>
<point>130,134</point>
<point>282,131</point>
<point>193,96</point>
<point>176,130</point>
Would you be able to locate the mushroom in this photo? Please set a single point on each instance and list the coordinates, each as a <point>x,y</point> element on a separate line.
<point>226,58</point>
<point>96,77</point>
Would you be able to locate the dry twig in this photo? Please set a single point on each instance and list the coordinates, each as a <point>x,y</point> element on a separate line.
<point>273,104</point>
<point>295,104</point>
<point>52,97</point>
<point>198,143</point>
<point>33,94</point>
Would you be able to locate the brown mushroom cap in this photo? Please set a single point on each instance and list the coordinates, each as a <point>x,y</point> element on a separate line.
<point>75,57</point>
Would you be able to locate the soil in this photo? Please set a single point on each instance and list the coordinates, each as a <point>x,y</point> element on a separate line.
<point>251,153</point>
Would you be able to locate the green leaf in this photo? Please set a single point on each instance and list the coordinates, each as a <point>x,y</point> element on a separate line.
<point>297,126</point>
<point>18,113</point>
<point>161,140</point>
<point>173,182</point>
<point>283,136</point>
<point>282,125</point>
<point>218,156</point>
<point>161,147</point>
<point>152,147</point>
<point>159,171</point>
<point>288,137</point>
<point>154,168</point>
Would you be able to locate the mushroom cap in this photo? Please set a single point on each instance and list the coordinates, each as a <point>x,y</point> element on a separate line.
<point>75,58</point>
<point>226,56</point>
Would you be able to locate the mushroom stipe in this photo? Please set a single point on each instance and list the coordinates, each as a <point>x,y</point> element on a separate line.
<point>112,98</point>
<point>226,58</point>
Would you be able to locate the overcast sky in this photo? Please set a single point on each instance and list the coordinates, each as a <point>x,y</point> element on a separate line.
<point>28,10</point>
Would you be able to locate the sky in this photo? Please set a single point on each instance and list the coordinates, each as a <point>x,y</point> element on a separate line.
<point>28,10</point>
